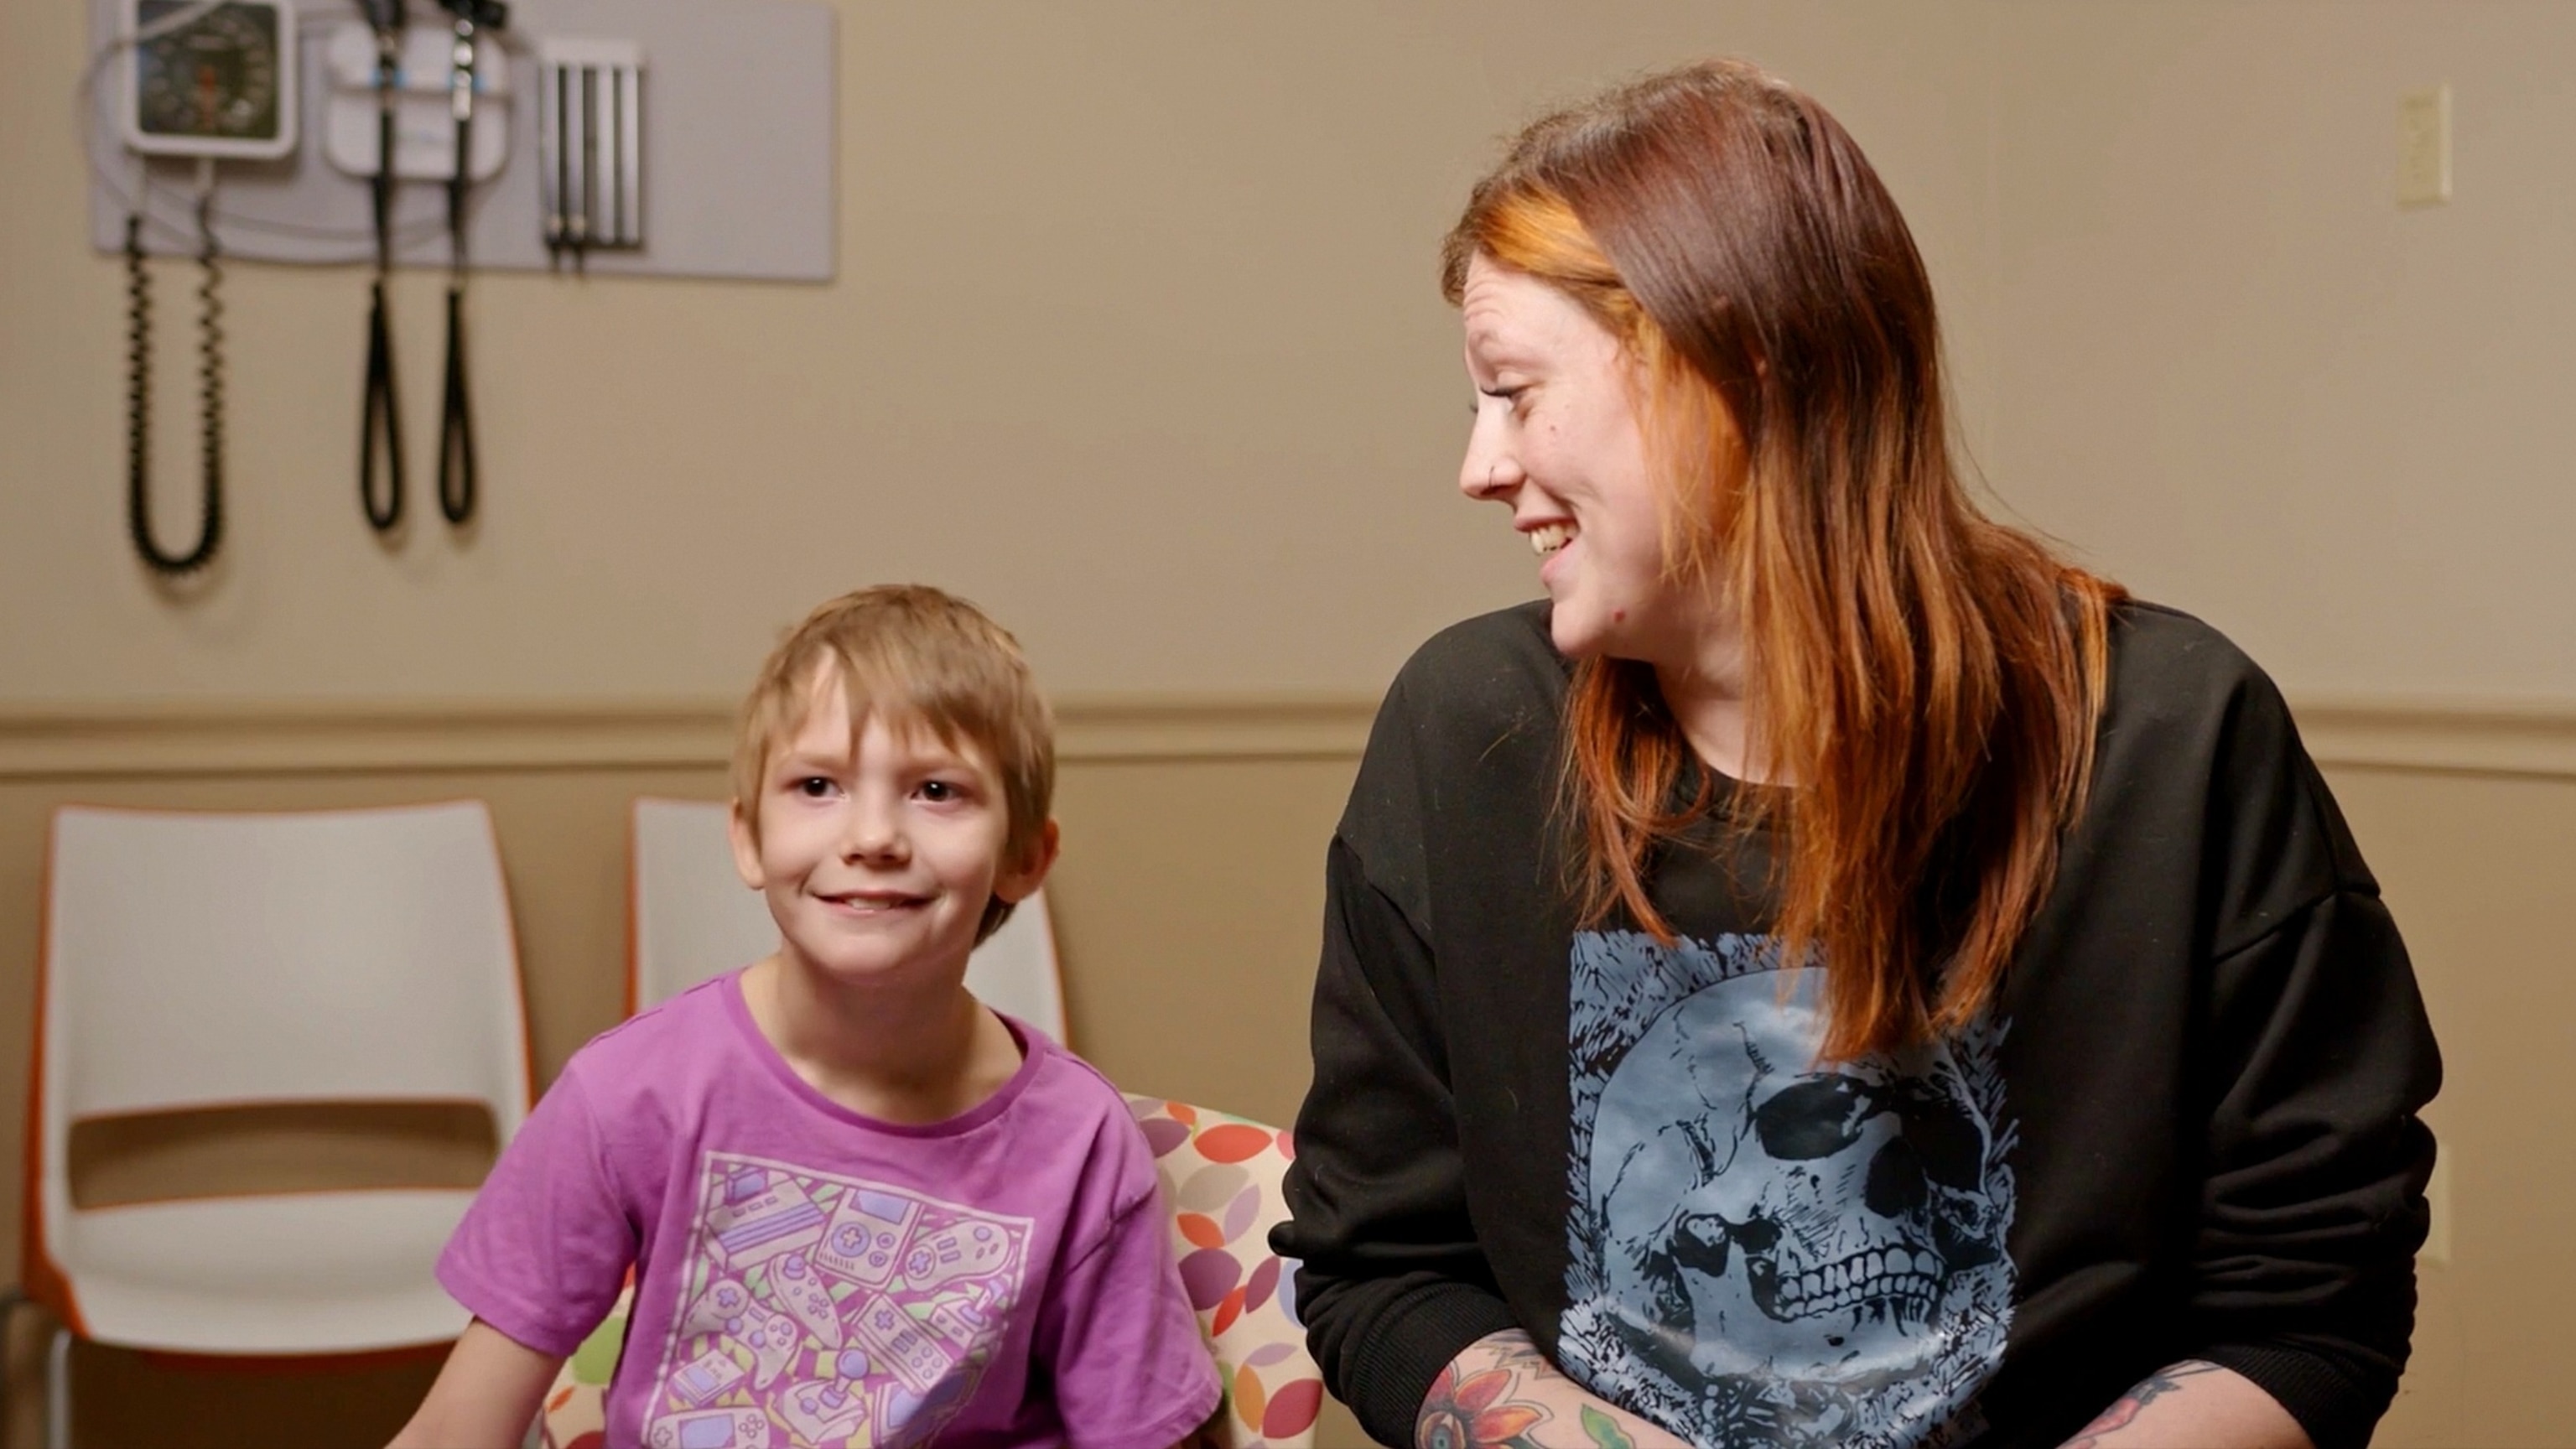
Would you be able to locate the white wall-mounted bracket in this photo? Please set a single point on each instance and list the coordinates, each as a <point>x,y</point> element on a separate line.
<point>424,128</point>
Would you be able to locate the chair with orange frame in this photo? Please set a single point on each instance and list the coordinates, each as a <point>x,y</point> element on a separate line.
<point>205,961</point>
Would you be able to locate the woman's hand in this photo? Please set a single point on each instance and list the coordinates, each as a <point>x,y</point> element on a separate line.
<point>2193,1405</point>
<point>1502,1390</point>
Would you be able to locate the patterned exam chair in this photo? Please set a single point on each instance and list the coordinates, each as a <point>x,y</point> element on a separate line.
<point>1221,1179</point>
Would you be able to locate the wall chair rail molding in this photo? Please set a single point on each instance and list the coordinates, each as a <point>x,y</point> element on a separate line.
<point>183,738</point>
<point>73,741</point>
<point>173,738</point>
<point>2525,737</point>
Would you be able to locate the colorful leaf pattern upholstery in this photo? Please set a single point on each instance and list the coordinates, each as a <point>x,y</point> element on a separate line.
<point>1221,1179</point>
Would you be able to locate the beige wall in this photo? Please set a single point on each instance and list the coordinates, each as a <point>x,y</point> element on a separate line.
<point>2474,867</point>
<point>1134,340</point>
<point>2236,374</point>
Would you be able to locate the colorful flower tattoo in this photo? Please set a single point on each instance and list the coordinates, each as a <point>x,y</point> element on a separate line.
<point>1465,1413</point>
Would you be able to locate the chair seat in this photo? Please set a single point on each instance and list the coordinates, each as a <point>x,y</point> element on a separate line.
<point>291,1273</point>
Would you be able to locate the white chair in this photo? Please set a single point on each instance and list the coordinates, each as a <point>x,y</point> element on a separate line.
<point>214,960</point>
<point>692,919</point>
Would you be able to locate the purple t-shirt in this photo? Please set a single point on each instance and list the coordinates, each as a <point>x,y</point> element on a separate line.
<point>805,1275</point>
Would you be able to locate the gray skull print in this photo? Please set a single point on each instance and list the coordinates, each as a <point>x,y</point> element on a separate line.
<point>1768,1249</point>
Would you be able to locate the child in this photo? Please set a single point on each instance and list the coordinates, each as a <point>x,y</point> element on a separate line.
<point>861,1208</point>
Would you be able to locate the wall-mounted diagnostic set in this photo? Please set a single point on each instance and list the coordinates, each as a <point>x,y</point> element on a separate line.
<point>380,133</point>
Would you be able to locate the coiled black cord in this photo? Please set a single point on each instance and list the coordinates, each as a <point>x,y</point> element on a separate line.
<point>138,399</point>
<point>210,356</point>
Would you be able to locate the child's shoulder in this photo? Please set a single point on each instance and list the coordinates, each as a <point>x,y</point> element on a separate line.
<point>649,1044</point>
<point>1066,1082</point>
<point>1074,1117</point>
<point>1070,1101</point>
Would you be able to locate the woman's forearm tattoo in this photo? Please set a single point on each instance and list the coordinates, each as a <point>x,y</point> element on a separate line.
<point>1510,1397</point>
<point>2146,1391</point>
<point>1477,1410</point>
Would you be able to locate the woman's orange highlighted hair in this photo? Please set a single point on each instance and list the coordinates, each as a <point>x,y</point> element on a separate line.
<point>1926,680</point>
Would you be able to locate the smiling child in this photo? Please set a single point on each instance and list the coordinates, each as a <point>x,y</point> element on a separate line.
<point>860,1207</point>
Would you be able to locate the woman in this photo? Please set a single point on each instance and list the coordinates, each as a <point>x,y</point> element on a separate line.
<point>1833,973</point>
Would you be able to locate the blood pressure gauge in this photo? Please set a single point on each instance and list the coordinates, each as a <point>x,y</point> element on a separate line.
<point>220,84</point>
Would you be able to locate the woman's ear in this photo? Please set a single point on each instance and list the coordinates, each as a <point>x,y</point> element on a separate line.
<point>1019,881</point>
<point>746,850</point>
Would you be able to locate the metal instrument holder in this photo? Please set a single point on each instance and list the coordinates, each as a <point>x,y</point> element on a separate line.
<point>590,145</point>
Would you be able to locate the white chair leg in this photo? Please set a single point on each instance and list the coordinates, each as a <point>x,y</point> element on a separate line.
<point>58,1391</point>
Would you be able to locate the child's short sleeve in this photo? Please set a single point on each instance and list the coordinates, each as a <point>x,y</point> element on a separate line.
<point>1130,1368</point>
<point>544,1250</point>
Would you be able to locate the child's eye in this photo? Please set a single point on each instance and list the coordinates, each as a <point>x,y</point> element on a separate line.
<point>814,787</point>
<point>939,792</point>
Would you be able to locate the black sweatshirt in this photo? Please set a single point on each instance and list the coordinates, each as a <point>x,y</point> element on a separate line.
<point>2185,1130</point>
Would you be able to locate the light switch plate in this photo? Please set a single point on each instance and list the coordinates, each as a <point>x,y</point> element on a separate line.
<point>2424,146</point>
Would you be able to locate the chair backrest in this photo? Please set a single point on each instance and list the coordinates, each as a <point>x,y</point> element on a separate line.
<point>691,919</point>
<point>195,960</point>
<point>1221,1178</point>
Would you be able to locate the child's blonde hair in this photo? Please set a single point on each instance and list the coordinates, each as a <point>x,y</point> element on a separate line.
<point>919,657</point>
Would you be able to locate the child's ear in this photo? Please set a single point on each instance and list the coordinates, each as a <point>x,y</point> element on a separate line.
<point>1018,882</point>
<point>746,851</point>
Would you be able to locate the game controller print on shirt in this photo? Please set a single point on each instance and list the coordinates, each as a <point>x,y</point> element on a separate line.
<point>820,1310</point>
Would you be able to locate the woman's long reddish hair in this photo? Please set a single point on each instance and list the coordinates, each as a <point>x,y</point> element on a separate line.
<point>1926,680</point>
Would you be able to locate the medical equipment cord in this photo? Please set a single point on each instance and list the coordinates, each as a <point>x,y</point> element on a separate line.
<point>138,396</point>
<point>381,421</point>
<point>456,422</point>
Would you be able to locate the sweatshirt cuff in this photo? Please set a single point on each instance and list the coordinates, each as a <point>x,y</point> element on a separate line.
<point>2336,1411</point>
<point>1406,1349</point>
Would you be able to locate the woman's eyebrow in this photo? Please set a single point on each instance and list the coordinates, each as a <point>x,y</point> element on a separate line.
<point>1494,350</point>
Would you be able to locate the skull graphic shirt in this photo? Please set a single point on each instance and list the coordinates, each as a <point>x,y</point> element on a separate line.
<point>2185,1127</point>
<point>1764,1248</point>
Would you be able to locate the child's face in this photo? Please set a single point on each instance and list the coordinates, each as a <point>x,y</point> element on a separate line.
<point>878,865</point>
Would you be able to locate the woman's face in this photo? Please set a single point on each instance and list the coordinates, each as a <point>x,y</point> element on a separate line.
<point>1558,440</point>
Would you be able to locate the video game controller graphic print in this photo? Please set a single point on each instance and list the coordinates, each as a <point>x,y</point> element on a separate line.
<point>819,1311</point>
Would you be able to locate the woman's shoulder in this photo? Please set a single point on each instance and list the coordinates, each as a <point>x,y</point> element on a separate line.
<point>2170,669</point>
<point>1493,668</point>
<point>2198,747</point>
<point>1508,633</point>
<point>2191,717</point>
